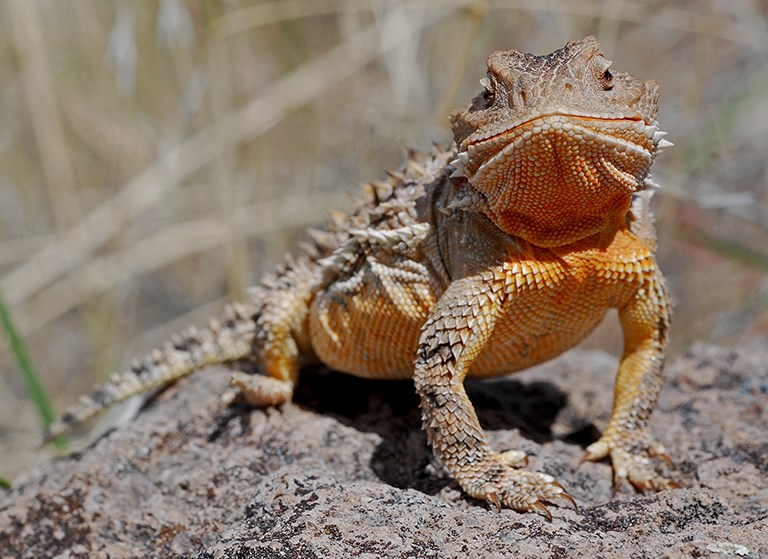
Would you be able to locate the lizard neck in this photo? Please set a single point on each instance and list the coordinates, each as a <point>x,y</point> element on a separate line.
<point>565,221</point>
<point>567,218</point>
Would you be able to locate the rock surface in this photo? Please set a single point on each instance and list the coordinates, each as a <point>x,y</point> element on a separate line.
<point>345,472</point>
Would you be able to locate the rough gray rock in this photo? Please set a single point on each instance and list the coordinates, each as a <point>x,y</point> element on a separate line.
<point>345,471</point>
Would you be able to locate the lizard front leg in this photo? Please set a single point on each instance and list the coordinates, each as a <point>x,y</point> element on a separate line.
<point>625,440</point>
<point>454,334</point>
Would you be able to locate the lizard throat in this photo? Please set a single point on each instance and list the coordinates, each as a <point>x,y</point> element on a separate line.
<point>559,178</point>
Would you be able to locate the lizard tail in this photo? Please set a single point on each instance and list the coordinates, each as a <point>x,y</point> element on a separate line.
<point>228,340</point>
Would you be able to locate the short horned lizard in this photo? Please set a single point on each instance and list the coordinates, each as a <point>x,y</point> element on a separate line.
<point>479,260</point>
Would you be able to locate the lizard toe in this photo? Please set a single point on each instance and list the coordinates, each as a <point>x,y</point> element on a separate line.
<point>515,458</point>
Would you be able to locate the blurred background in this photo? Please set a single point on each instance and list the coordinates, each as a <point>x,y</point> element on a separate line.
<point>156,157</point>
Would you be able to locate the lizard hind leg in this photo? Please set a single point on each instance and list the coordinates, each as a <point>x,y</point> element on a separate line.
<point>277,347</point>
<point>278,354</point>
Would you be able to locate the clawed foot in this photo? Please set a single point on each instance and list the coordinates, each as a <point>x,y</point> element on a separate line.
<point>257,390</point>
<point>632,455</point>
<point>496,480</point>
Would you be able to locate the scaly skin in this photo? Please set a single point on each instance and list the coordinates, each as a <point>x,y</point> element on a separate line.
<point>478,261</point>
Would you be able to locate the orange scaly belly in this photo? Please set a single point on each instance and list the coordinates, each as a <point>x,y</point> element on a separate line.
<point>553,302</point>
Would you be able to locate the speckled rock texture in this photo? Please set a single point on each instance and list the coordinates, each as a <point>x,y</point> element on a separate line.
<point>344,471</point>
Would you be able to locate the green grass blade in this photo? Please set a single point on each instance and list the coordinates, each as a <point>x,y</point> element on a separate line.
<point>4,483</point>
<point>28,374</point>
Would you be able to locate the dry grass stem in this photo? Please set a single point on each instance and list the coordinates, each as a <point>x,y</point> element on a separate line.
<point>167,246</point>
<point>179,162</point>
<point>40,93</point>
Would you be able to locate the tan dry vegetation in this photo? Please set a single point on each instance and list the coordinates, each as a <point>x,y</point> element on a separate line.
<point>156,157</point>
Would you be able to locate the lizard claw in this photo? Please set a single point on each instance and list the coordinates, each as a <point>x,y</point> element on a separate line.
<point>537,506</point>
<point>657,451</point>
<point>565,496</point>
<point>493,498</point>
<point>543,510</point>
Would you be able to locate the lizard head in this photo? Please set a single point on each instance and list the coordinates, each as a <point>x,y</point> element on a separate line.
<point>558,144</point>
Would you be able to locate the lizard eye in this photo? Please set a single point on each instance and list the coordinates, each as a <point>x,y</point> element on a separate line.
<point>607,80</point>
<point>603,73</point>
<point>488,92</point>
